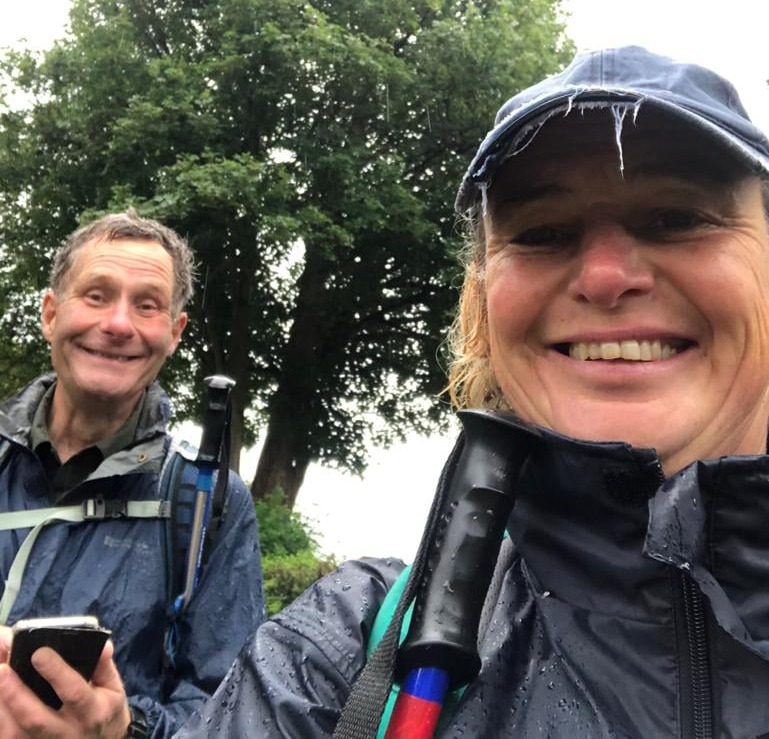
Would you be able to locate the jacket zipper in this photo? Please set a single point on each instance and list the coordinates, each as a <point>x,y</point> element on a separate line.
<point>696,685</point>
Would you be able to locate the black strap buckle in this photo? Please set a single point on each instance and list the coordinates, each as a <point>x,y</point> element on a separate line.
<point>138,728</point>
<point>98,508</point>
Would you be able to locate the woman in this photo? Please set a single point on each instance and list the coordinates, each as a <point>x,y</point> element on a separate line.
<point>617,302</point>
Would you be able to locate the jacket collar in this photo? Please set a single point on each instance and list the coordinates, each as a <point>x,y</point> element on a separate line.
<point>599,527</point>
<point>17,412</point>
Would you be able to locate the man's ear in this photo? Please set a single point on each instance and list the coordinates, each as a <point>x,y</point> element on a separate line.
<point>176,332</point>
<point>48,314</point>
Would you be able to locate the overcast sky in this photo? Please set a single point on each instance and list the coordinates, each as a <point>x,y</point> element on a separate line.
<point>382,514</point>
<point>727,36</point>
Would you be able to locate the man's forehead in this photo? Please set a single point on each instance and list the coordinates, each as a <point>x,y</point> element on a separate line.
<point>107,257</point>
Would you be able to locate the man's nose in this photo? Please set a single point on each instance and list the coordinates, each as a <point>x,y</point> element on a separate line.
<point>610,265</point>
<point>117,320</point>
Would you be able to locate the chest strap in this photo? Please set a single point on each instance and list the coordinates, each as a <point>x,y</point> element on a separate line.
<point>93,509</point>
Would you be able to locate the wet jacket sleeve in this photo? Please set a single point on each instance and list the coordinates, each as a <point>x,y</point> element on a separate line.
<point>224,611</point>
<point>293,677</point>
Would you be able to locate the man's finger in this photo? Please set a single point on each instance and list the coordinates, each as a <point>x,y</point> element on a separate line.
<point>67,682</point>
<point>5,643</point>
<point>28,711</point>
<point>106,674</point>
<point>8,725</point>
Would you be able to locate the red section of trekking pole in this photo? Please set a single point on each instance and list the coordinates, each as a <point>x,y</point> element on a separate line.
<point>418,705</point>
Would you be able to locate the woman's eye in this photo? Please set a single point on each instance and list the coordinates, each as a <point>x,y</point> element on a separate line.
<point>674,221</point>
<point>544,237</point>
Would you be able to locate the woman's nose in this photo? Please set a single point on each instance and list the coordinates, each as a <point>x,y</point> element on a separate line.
<point>610,265</point>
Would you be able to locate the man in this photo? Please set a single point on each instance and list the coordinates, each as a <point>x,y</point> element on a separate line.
<point>611,357</point>
<point>96,428</point>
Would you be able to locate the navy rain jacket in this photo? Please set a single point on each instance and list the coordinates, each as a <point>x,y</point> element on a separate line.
<point>634,608</point>
<point>115,569</point>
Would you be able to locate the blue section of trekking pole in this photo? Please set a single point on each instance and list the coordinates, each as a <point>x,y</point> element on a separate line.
<point>205,478</point>
<point>427,683</point>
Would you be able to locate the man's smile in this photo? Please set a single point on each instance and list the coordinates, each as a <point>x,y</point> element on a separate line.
<point>108,355</point>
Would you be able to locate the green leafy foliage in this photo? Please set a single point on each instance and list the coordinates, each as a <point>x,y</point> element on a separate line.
<point>290,557</point>
<point>282,531</point>
<point>287,576</point>
<point>310,152</point>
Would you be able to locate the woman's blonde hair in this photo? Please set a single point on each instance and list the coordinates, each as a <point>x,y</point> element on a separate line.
<point>472,383</point>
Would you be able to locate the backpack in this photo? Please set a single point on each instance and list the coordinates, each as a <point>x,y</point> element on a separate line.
<point>175,503</point>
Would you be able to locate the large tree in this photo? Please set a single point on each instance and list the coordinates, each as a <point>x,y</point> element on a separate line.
<point>309,151</point>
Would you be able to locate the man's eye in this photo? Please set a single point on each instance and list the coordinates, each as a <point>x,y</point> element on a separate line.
<point>147,308</point>
<point>95,297</point>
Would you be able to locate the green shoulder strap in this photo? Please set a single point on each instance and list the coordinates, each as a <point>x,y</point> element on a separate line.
<point>381,622</point>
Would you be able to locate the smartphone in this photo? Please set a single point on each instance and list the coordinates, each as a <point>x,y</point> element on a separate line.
<point>78,639</point>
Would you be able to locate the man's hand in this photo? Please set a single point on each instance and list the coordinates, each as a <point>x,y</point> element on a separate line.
<point>5,643</point>
<point>95,710</point>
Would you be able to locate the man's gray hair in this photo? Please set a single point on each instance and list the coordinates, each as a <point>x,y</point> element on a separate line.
<point>129,225</point>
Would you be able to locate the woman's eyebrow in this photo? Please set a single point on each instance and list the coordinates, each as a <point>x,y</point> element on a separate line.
<point>678,171</point>
<point>686,171</point>
<point>524,195</point>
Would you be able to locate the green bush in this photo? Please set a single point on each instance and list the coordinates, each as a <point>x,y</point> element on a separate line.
<point>281,530</point>
<point>286,576</point>
<point>290,557</point>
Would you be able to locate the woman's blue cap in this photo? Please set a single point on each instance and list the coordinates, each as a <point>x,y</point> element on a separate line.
<point>627,77</point>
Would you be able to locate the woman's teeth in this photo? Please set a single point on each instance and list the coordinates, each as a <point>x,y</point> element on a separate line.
<point>635,351</point>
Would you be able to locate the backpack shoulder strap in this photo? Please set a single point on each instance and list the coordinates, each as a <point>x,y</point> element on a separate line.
<point>37,519</point>
<point>381,622</point>
<point>178,479</point>
<point>387,609</point>
<point>179,486</point>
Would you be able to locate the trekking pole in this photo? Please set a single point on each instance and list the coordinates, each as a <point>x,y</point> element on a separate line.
<point>218,388</point>
<point>440,652</point>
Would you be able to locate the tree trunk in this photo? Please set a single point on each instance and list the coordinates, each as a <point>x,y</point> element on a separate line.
<point>285,455</point>
<point>238,363</point>
<point>229,349</point>
<point>280,469</point>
